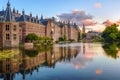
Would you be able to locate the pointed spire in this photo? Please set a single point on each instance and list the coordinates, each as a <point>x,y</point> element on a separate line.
<point>8,15</point>
<point>23,12</point>
<point>41,17</point>
<point>83,28</point>
<point>13,10</point>
<point>17,12</point>
<point>8,4</point>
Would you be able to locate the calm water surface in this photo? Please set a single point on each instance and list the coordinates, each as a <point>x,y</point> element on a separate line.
<point>78,61</point>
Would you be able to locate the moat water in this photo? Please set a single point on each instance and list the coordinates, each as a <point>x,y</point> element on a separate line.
<point>76,61</point>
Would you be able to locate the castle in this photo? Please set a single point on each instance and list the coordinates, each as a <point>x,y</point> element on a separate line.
<point>14,27</point>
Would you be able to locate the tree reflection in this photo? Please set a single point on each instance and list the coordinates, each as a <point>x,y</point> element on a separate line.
<point>36,50</point>
<point>111,50</point>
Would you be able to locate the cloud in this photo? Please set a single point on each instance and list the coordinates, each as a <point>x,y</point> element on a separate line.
<point>108,22</point>
<point>78,16</point>
<point>98,5</point>
<point>118,22</point>
<point>89,22</point>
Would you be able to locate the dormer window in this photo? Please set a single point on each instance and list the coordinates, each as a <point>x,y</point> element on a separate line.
<point>31,20</point>
<point>38,21</point>
<point>27,19</point>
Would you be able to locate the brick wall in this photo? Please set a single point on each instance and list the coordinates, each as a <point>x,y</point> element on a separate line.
<point>28,28</point>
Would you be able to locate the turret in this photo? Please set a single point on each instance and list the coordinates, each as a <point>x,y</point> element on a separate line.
<point>8,16</point>
<point>23,12</point>
<point>13,10</point>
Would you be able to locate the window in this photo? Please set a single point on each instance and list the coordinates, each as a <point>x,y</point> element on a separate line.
<point>14,36</point>
<point>7,36</point>
<point>14,28</point>
<point>7,28</point>
<point>20,37</point>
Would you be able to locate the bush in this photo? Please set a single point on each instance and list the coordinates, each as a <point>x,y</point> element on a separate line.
<point>61,39</point>
<point>32,37</point>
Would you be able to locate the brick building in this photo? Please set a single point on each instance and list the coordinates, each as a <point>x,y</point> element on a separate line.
<point>14,27</point>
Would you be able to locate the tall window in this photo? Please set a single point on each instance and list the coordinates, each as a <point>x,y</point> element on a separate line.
<point>14,36</point>
<point>14,28</point>
<point>7,27</point>
<point>7,36</point>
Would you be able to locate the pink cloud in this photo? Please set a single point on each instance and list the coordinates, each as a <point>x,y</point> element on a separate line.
<point>98,5</point>
<point>118,22</point>
<point>108,22</point>
<point>89,22</point>
<point>99,71</point>
<point>77,66</point>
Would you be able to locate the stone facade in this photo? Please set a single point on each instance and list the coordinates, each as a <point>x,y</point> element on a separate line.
<point>20,25</point>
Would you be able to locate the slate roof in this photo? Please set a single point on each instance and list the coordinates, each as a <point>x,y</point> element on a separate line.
<point>8,16</point>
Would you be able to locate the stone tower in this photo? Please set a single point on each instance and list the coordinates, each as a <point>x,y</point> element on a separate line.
<point>9,29</point>
<point>83,29</point>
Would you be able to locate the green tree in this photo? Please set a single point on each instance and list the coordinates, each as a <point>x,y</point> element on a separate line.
<point>110,33</point>
<point>118,36</point>
<point>83,35</point>
<point>61,39</point>
<point>32,37</point>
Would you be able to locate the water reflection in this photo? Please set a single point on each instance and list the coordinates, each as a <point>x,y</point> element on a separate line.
<point>112,50</point>
<point>29,60</point>
<point>84,61</point>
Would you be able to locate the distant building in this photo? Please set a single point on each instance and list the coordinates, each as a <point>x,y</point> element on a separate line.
<point>14,27</point>
<point>92,34</point>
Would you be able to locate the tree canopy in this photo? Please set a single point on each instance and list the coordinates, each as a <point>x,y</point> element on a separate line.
<point>32,36</point>
<point>111,33</point>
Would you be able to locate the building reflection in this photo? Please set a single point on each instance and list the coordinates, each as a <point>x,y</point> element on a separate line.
<point>26,64</point>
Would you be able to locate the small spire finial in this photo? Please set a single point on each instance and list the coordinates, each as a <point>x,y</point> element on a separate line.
<point>8,4</point>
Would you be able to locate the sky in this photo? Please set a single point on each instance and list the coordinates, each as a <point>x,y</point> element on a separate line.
<point>93,13</point>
